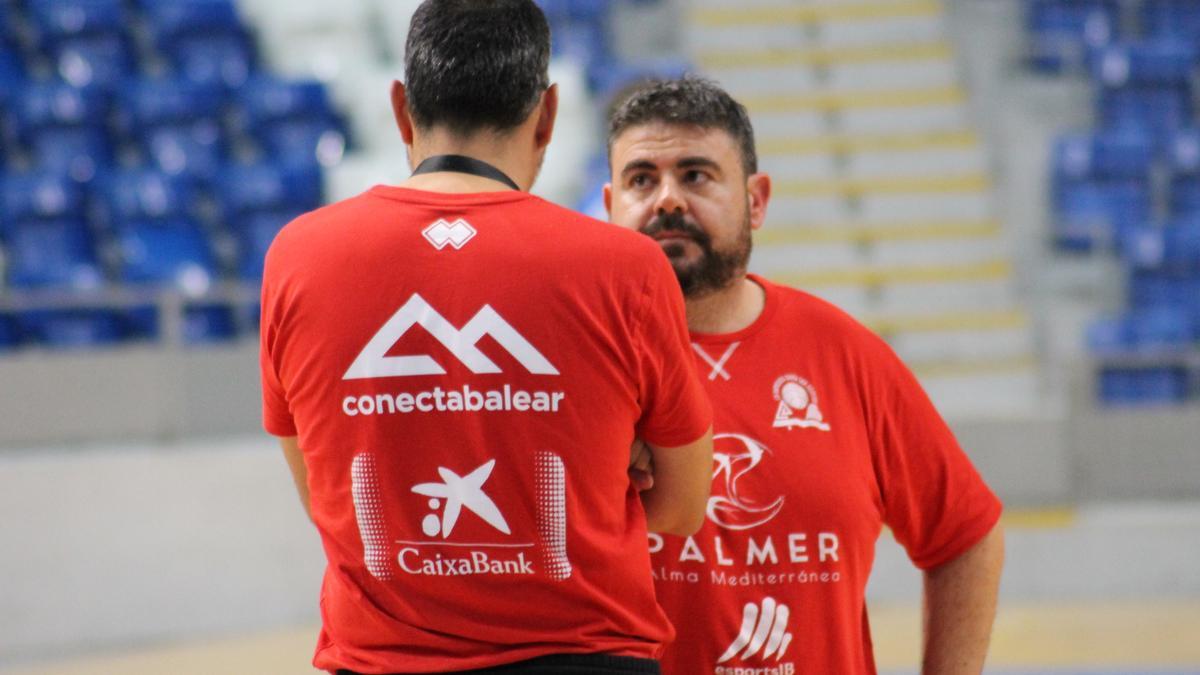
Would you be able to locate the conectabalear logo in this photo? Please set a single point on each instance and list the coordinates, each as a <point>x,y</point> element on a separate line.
<point>373,361</point>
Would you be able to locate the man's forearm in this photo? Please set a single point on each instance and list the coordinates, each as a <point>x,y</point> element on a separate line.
<point>295,462</point>
<point>960,606</point>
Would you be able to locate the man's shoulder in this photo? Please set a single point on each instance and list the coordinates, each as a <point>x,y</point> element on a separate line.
<point>797,306</point>
<point>591,231</point>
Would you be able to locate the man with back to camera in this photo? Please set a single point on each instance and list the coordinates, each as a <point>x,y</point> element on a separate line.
<point>457,370</point>
<point>821,434</point>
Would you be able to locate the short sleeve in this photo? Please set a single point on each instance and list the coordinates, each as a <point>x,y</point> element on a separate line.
<point>675,407</point>
<point>277,415</point>
<point>935,502</point>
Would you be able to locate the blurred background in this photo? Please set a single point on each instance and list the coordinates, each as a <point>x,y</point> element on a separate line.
<point>1007,190</point>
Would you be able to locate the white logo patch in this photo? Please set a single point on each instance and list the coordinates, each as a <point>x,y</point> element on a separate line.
<point>442,234</point>
<point>374,362</point>
<point>718,365</point>
<point>797,405</point>
<point>764,631</point>
<point>459,492</point>
<point>728,507</point>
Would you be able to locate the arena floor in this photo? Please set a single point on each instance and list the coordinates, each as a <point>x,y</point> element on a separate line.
<point>1093,639</point>
<point>220,575</point>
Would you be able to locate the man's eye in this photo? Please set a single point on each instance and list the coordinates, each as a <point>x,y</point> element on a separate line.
<point>640,180</point>
<point>695,176</point>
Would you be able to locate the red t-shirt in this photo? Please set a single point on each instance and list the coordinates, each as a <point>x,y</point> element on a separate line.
<point>466,373</point>
<point>822,436</point>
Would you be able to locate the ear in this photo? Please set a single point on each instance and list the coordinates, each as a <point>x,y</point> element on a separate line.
<point>400,111</point>
<point>758,191</point>
<point>608,199</point>
<point>547,113</point>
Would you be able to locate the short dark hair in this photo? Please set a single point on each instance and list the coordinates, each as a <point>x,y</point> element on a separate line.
<point>691,101</point>
<point>471,65</point>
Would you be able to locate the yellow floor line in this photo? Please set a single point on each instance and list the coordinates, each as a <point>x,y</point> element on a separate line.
<point>995,270</point>
<point>965,183</point>
<point>804,234</point>
<point>1040,519</point>
<point>839,100</point>
<point>914,51</point>
<point>953,140</point>
<point>841,11</point>
<point>952,321</point>
<point>1016,364</point>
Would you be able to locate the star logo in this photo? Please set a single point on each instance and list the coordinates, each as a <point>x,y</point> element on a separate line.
<point>460,492</point>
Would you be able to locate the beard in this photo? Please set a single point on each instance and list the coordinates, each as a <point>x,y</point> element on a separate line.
<point>715,269</point>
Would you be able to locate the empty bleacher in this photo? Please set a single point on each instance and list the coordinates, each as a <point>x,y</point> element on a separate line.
<point>1127,186</point>
<point>149,155</point>
<point>882,199</point>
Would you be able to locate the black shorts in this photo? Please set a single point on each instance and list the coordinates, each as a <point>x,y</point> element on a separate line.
<point>565,664</point>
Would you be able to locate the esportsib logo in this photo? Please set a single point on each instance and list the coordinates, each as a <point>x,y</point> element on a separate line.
<point>763,634</point>
<point>373,361</point>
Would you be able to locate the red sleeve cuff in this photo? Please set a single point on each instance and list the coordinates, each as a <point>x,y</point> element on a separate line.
<point>970,535</point>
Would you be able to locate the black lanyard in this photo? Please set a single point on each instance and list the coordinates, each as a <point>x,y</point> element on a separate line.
<point>463,164</point>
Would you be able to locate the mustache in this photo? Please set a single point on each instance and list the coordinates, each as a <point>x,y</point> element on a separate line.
<point>676,222</point>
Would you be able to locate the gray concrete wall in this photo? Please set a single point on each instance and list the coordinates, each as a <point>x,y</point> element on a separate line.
<point>150,394</point>
<point>144,392</point>
<point>110,546</point>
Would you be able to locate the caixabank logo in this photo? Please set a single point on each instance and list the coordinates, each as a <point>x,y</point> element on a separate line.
<point>459,495</point>
<point>374,362</point>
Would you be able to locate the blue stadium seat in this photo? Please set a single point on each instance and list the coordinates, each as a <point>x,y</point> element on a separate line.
<point>254,238</point>
<point>72,328</point>
<point>266,100</point>
<point>1183,160</point>
<point>1061,32</point>
<point>176,123</point>
<point>1154,62</point>
<point>12,73</point>
<point>1181,244</point>
<point>63,127</point>
<point>1112,154</point>
<point>1157,110</point>
<point>208,323</point>
<point>103,61</point>
<point>52,254</point>
<point>148,195</point>
<point>227,60</point>
<point>1152,329</point>
<point>1178,19</point>
<point>10,333</point>
<point>1143,247</point>
<point>203,39</point>
<point>86,39</point>
<point>1173,247</point>
<point>267,187</point>
<point>39,196</point>
<point>294,120</point>
<point>1090,214</point>
<point>168,253</point>
<point>1143,386</point>
<point>202,323</point>
<point>58,19</point>
<point>168,101</point>
<point>80,151</point>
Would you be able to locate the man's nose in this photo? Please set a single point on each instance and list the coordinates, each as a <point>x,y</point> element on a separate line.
<point>669,198</point>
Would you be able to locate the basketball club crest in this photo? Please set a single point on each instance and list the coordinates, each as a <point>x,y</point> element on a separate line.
<point>797,404</point>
